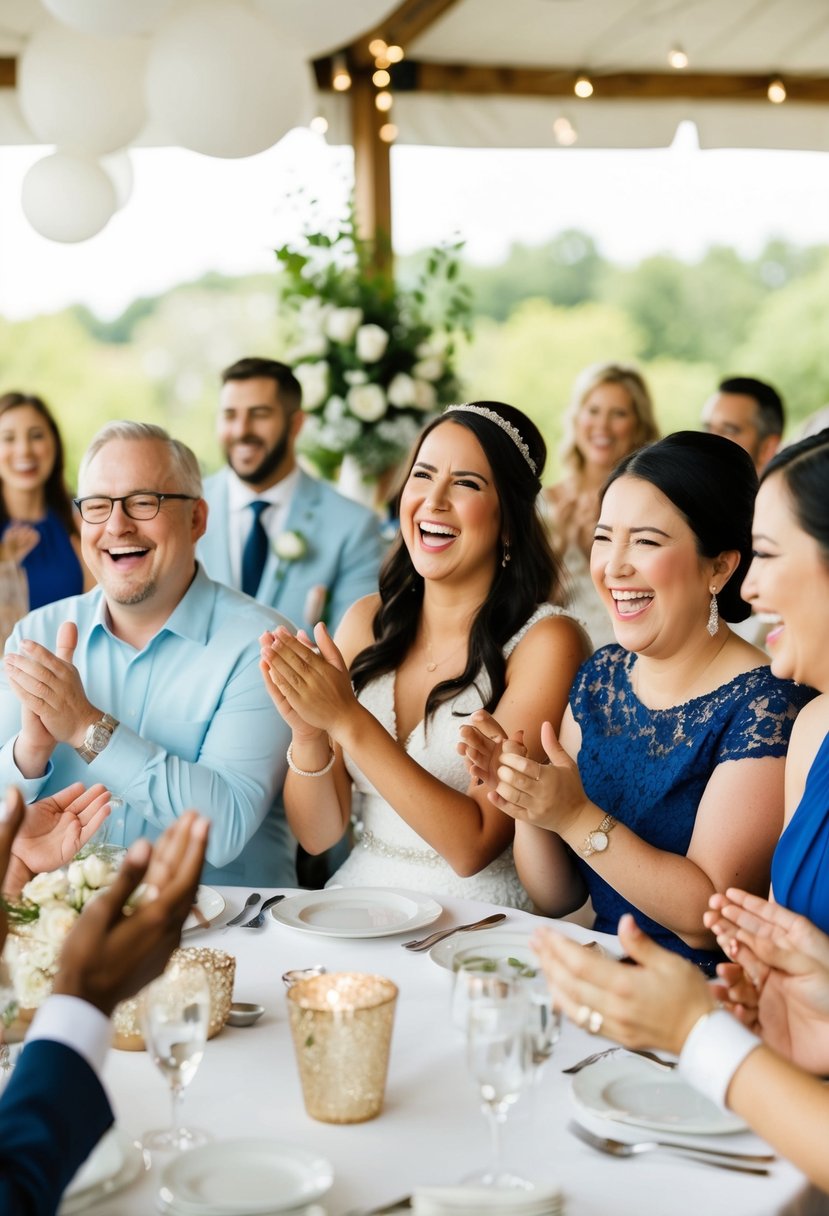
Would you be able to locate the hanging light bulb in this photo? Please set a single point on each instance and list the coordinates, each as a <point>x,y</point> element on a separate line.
<point>381,62</point>
<point>564,131</point>
<point>384,101</point>
<point>388,132</point>
<point>376,47</point>
<point>319,124</point>
<point>394,53</point>
<point>583,86</point>
<point>381,78</point>
<point>340,75</point>
<point>677,58</point>
<point>776,92</point>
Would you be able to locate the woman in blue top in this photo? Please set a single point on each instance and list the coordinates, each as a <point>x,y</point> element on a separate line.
<point>37,525</point>
<point>668,782</point>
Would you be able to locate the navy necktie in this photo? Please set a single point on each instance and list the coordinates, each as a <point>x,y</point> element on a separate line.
<point>255,552</point>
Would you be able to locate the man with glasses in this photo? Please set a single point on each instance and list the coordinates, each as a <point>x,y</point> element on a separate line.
<point>150,683</point>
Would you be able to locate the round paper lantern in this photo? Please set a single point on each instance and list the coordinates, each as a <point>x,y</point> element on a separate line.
<point>118,168</point>
<point>67,197</point>
<point>20,16</point>
<point>80,91</point>
<point>222,81</point>
<point>109,16</point>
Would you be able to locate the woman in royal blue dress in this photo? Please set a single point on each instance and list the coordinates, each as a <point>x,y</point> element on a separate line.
<point>667,784</point>
<point>37,524</point>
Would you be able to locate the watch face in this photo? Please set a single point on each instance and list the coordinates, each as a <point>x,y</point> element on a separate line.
<point>599,841</point>
<point>98,738</point>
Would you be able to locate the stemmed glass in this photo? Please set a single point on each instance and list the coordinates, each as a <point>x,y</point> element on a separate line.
<point>498,1052</point>
<point>543,1023</point>
<point>175,1014</point>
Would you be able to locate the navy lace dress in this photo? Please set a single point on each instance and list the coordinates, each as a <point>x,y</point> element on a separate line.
<point>649,768</point>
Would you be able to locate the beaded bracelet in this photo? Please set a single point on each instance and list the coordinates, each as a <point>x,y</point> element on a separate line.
<point>301,772</point>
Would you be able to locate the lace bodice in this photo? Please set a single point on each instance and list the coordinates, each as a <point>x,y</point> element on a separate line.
<point>389,851</point>
<point>649,768</point>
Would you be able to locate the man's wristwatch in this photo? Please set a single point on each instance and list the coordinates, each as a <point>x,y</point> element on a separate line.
<point>97,737</point>
<point>598,840</point>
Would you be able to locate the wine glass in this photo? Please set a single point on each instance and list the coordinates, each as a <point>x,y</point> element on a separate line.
<point>543,1023</point>
<point>498,1053</point>
<point>175,1014</point>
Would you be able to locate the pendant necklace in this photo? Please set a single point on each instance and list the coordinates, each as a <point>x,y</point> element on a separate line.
<point>432,663</point>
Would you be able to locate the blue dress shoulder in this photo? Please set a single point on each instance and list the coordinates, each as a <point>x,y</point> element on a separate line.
<point>649,768</point>
<point>52,567</point>
<point>800,866</point>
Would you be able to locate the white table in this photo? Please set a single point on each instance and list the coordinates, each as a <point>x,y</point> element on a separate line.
<point>431,1130</point>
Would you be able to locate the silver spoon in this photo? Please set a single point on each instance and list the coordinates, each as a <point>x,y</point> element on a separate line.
<point>425,943</point>
<point>249,903</point>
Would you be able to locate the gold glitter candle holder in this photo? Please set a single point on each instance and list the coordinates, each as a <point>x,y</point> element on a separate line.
<point>341,1026</point>
<point>221,972</point>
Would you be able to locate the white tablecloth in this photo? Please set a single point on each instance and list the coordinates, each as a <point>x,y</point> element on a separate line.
<point>431,1130</point>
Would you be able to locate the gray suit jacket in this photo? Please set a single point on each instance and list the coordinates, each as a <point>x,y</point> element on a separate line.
<point>344,551</point>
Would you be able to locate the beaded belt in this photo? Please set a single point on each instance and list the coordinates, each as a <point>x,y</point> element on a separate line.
<point>423,857</point>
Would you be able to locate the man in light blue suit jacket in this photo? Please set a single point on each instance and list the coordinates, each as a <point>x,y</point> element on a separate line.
<point>323,550</point>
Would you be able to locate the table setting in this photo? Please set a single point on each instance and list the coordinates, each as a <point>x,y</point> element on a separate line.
<point>299,1118</point>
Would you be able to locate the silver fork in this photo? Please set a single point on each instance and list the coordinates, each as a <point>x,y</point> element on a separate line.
<point>609,1051</point>
<point>744,1163</point>
<point>259,920</point>
<point>426,943</point>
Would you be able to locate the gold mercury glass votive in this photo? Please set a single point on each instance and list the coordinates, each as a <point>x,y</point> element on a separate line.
<point>341,1026</point>
<point>221,972</point>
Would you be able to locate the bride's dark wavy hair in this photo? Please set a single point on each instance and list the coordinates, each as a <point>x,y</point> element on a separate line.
<point>531,576</point>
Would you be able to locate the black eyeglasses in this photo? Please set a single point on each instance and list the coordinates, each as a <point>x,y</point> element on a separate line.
<point>142,505</point>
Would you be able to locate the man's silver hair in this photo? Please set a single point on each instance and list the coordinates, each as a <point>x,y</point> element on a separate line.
<point>183,461</point>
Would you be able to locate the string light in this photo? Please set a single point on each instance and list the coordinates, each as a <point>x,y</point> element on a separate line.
<point>340,75</point>
<point>583,86</point>
<point>394,53</point>
<point>381,78</point>
<point>381,62</point>
<point>319,124</point>
<point>677,58</point>
<point>388,132</point>
<point>564,131</point>
<point>776,92</point>
<point>384,101</point>
<point>376,47</point>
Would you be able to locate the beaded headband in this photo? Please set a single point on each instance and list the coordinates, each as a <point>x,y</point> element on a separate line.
<point>507,427</point>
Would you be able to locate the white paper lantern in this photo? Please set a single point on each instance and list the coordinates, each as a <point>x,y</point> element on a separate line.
<point>67,197</point>
<point>80,91</point>
<point>222,81</point>
<point>118,168</point>
<point>21,16</point>
<point>109,16</point>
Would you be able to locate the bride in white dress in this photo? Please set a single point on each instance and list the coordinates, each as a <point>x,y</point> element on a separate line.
<point>461,622</point>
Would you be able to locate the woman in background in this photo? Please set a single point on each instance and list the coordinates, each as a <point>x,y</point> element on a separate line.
<point>37,523</point>
<point>609,416</point>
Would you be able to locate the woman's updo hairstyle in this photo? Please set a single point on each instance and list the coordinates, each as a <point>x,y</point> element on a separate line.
<point>713,483</point>
<point>804,467</point>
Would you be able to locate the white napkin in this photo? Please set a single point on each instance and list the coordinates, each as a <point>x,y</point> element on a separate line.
<point>541,1200</point>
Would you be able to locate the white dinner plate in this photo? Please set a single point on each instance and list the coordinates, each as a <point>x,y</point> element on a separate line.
<point>113,1164</point>
<point>497,945</point>
<point>357,911</point>
<point>211,905</point>
<point>630,1090</point>
<point>257,1177</point>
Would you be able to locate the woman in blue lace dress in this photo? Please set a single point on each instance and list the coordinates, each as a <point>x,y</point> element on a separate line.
<point>667,783</point>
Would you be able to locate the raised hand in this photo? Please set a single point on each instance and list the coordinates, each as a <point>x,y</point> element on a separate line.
<point>48,686</point>
<point>55,828</point>
<point>482,743</point>
<point>313,690</point>
<point>547,795</point>
<point>18,540</point>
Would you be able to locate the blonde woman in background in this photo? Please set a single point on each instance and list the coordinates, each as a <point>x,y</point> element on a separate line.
<point>610,415</point>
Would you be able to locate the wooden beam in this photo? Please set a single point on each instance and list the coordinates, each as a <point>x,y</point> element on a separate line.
<point>8,73</point>
<point>400,28</point>
<point>372,169</point>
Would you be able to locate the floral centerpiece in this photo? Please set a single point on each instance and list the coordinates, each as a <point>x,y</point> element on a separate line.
<point>40,921</point>
<point>374,360</point>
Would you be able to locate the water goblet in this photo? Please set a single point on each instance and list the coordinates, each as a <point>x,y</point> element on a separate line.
<point>498,1057</point>
<point>543,1023</point>
<point>175,1015</point>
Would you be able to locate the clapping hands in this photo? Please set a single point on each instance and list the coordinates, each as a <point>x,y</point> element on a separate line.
<point>309,684</point>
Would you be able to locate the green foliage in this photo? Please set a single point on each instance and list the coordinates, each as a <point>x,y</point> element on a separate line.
<point>567,270</point>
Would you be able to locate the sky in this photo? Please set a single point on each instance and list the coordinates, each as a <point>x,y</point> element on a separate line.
<point>189,213</point>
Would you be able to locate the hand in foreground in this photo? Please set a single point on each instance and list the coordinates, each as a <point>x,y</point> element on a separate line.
<point>482,744</point>
<point>11,814</point>
<point>652,1005</point>
<point>312,686</point>
<point>109,955</point>
<point>49,686</point>
<point>18,541</point>
<point>788,957</point>
<point>547,795</point>
<point>54,829</point>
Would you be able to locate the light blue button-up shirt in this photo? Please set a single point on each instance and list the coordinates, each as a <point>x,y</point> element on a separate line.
<point>196,727</point>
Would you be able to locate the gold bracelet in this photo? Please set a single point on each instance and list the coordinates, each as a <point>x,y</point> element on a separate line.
<point>301,772</point>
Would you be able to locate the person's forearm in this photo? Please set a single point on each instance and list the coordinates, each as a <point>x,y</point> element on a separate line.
<point>17,875</point>
<point>546,870</point>
<point>317,803</point>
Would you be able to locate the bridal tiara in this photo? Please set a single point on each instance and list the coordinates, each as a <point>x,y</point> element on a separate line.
<point>507,427</point>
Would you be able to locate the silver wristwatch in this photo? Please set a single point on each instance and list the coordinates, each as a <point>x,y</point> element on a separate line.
<point>97,737</point>
<point>598,840</point>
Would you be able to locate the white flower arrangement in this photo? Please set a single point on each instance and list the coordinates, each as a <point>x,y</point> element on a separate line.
<point>290,546</point>
<point>368,353</point>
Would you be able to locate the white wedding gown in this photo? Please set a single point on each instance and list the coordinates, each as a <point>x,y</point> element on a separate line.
<point>388,852</point>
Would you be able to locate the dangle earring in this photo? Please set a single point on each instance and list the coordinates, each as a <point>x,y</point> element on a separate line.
<point>507,556</point>
<point>713,614</point>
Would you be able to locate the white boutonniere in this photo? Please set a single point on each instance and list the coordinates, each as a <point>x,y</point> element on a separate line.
<point>290,546</point>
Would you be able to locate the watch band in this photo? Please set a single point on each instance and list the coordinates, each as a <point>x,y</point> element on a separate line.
<point>96,738</point>
<point>597,840</point>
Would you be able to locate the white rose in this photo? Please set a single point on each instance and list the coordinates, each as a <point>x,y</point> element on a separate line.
<point>356,376</point>
<point>46,887</point>
<point>335,409</point>
<point>290,546</point>
<point>313,380</point>
<point>74,874</point>
<point>312,346</point>
<point>32,977</point>
<point>372,341</point>
<point>342,324</point>
<point>367,402</point>
<point>401,391</point>
<point>55,923</point>
<point>313,314</point>
<point>429,369</point>
<point>425,396</point>
<point>435,345</point>
<point>96,871</point>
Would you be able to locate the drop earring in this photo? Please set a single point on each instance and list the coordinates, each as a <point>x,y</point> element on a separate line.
<point>713,614</point>
<point>507,556</point>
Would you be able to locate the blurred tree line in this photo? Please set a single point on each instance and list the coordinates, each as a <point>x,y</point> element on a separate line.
<point>540,316</point>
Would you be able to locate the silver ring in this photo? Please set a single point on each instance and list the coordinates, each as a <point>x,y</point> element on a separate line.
<point>595,1022</point>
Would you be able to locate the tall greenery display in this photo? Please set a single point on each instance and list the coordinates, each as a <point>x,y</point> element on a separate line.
<point>375,361</point>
